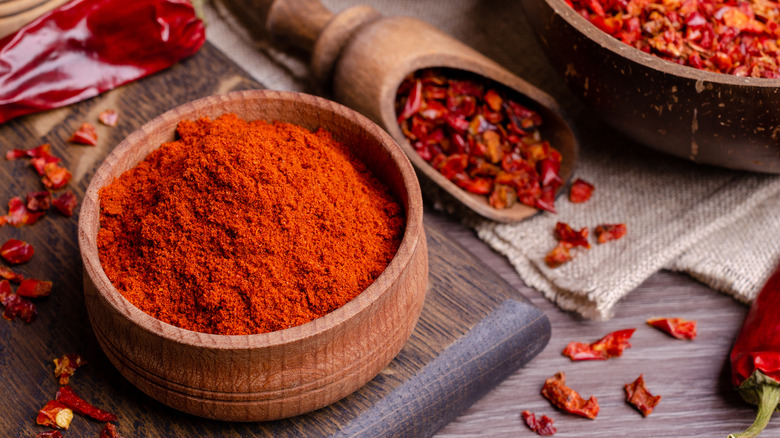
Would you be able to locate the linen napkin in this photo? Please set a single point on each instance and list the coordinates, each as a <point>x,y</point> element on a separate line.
<point>720,226</point>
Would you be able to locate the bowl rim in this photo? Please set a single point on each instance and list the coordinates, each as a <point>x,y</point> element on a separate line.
<point>413,230</point>
<point>590,31</point>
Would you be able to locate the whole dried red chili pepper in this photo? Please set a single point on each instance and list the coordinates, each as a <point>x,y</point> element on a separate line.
<point>542,426</point>
<point>91,46</point>
<point>676,327</point>
<point>638,395</point>
<point>66,365</point>
<point>55,414</point>
<point>611,345</point>
<point>755,356</point>
<point>16,252</point>
<point>567,399</point>
<point>66,396</point>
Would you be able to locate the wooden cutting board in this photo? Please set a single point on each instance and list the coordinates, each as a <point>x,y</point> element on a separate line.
<point>475,328</point>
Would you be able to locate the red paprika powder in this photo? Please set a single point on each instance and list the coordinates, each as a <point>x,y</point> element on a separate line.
<point>246,227</point>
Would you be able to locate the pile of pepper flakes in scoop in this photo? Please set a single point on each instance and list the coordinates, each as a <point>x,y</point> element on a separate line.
<point>610,346</point>
<point>479,136</point>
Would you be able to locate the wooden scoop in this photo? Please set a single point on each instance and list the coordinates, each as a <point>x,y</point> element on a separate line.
<point>361,58</point>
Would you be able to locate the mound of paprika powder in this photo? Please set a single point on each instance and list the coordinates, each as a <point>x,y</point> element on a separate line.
<point>246,227</point>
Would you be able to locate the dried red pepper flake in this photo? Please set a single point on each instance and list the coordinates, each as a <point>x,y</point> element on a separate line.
<point>109,117</point>
<point>558,255</point>
<point>65,203</point>
<point>109,431</point>
<point>39,201</point>
<point>580,191</point>
<point>66,365</point>
<point>49,434</point>
<point>86,134</point>
<point>55,414</point>
<point>565,233</point>
<point>638,395</point>
<point>567,399</point>
<point>36,152</point>
<point>611,345</point>
<point>55,176</point>
<point>31,288</point>
<point>19,215</point>
<point>7,274</point>
<point>716,35</point>
<point>542,426</point>
<point>15,305</point>
<point>676,327</point>
<point>608,232</point>
<point>479,137</point>
<point>39,163</point>
<point>16,251</point>
<point>69,398</point>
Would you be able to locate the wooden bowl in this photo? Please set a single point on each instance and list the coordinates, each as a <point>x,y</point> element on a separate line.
<point>271,375</point>
<point>706,117</point>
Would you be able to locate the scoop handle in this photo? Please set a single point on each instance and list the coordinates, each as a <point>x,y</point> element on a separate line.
<point>297,22</point>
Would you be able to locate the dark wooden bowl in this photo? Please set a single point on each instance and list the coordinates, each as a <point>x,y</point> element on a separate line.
<point>270,375</point>
<point>705,117</point>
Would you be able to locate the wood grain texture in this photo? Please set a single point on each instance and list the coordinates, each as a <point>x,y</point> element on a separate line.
<point>376,54</point>
<point>415,394</point>
<point>270,375</point>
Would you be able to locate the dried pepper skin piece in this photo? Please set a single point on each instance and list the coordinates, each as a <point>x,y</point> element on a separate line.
<point>109,431</point>
<point>16,305</point>
<point>86,134</point>
<point>49,434</point>
<point>567,399</point>
<point>608,232</point>
<point>446,113</point>
<point>676,327</point>
<point>611,345</point>
<point>16,252</point>
<point>55,176</point>
<point>65,366</point>
<point>55,414</point>
<point>39,201</point>
<point>36,152</point>
<point>7,274</point>
<point>580,191</point>
<point>32,288</point>
<point>109,43</point>
<point>565,233</point>
<point>109,117</point>
<point>542,426</point>
<point>69,398</point>
<point>558,255</point>
<point>65,203</point>
<point>19,215</point>
<point>638,396</point>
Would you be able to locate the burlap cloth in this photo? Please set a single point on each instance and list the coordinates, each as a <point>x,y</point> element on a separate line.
<point>721,227</point>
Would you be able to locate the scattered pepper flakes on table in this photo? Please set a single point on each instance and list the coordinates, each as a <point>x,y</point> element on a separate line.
<point>480,137</point>
<point>558,255</point>
<point>86,134</point>
<point>676,327</point>
<point>55,414</point>
<point>65,203</point>
<point>542,426</point>
<point>66,365</point>
<point>32,288</point>
<point>55,176</point>
<point>43,150</point>
<point>109,117</point>
<point>580,191</point>
<point>567,238</point>
<point>39,201</point>
<point>109,431</point>
<point>608,232</point>
<point>611,345</point>
<point>638,396</point>
<point>16,305</point>
<point>567,399</point>
<point>49,434</point>
<point>19,215</point>
<point>16,251</point>
<point>7,274</point>
<point>69,398</point>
